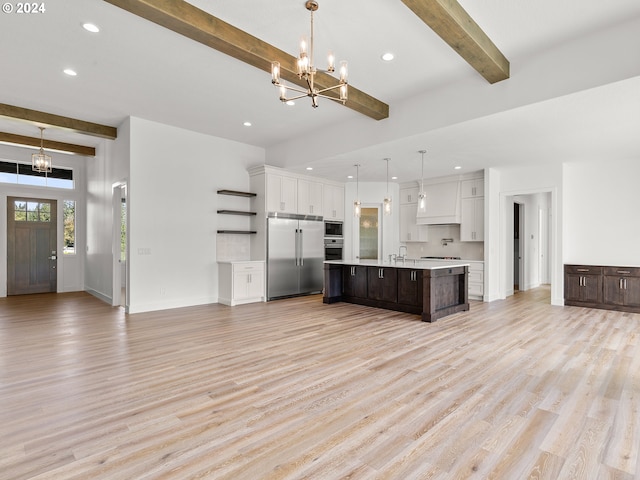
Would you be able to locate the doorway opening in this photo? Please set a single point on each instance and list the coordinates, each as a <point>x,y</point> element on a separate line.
<point>120,246</point>
<point>32,252</point>
<point>518,250</point>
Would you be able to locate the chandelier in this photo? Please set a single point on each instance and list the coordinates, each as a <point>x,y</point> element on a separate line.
<point>306,70</point>
<point>41,162</point>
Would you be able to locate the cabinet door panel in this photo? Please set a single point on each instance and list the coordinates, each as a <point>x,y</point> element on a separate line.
<point>382,284</point>
<point>592,288</point>
<point>410,287</point>
<point>354,281</point>
<point>632,292</point>
<point>572,287</point>
<point>613,292</point>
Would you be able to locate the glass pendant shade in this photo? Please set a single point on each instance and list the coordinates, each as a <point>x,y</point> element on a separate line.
<point>356,204</point>
<point>422,202</point>
<point>386,204</point>
<point>422,197</point>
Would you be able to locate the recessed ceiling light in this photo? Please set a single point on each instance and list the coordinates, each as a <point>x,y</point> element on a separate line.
<point>457,167</point>
<point>387,57</point>
<point>247,124</point>
<point>90,27</point>
<point>394,178</point>
<point>309,168</point>
<point>71,73</point>
<point>349,176</point>
<point>290,103</point>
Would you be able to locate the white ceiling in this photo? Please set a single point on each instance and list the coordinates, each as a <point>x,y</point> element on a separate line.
<point>134,67</point>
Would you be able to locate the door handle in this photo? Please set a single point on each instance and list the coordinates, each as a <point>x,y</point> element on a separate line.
<point>301,251</point>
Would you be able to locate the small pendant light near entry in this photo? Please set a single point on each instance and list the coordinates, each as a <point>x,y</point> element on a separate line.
<point>387,200</point>
<point>356,203</point>
<point>41,162</point>
<point>422,197</point>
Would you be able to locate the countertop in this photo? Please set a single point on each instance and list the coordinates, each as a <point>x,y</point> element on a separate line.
<point>416,264</point>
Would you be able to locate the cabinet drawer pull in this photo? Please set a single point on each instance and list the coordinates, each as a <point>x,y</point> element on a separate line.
<point>582,269</point>
<point>380,273</point>
<point>624,271</point>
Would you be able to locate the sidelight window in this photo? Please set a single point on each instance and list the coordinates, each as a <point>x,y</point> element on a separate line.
<point>69,215</point>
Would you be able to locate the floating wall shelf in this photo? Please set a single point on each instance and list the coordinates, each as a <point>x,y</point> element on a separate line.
<point>235,212</point>
<point>238,232</point>
<point>236,193</point>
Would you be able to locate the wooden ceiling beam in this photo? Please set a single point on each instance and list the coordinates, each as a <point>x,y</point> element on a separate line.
<point>185,19</point>
<point>453,24</point>
<point>49,120</point>
<point>48,144</point>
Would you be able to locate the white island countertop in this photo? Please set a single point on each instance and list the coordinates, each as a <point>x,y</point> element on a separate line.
<point>413,263</point>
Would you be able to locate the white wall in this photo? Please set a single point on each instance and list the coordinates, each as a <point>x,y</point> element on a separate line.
<point>70,267</point>
<point>174,177</point>
<point>601,219</point>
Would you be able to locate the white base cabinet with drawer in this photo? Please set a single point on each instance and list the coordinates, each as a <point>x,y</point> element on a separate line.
<point>240,282</point>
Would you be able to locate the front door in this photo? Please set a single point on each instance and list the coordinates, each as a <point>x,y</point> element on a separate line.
<point>31,246</point>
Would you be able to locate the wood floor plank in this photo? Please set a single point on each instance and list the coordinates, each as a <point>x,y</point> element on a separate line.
<point>297,389</point>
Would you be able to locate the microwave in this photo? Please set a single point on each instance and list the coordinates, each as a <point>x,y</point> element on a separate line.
<point>332,229</point>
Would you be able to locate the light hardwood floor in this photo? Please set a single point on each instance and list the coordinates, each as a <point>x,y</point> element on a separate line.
<point>297,389</point>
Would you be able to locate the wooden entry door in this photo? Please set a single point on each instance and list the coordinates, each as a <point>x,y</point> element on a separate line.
<point>31,246</point>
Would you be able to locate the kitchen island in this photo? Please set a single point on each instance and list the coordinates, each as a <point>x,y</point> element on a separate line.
<point>430,289</point>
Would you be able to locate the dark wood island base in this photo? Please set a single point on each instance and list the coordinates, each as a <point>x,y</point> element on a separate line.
<point>432,293</point>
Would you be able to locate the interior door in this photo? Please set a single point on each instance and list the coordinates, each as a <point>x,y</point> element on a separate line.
<point>31,246</point>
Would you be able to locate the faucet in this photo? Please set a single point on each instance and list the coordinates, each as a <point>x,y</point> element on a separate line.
<point>400,255</point>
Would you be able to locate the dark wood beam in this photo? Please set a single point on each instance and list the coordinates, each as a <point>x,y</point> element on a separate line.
<point>56,121</point>
<point>454,25</point>
<point>185,19</point>
<point>48,144</point>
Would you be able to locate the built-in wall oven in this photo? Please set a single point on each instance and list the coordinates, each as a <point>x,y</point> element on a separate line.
<point>333,248</point>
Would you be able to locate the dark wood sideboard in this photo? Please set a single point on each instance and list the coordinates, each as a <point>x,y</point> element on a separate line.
<point>598,286</point>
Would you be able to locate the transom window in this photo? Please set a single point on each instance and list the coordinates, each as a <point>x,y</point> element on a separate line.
<point>22,174</point>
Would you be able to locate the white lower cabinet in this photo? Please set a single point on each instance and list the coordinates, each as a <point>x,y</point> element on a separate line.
<point>476,280</point>
<point>240,282</point>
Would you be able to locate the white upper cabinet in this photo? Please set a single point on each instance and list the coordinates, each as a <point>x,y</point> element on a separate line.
<point>310,195</point>
<point>472,224</point>
<point>282,193</point>
<point>473,188</point>
<point>333,200</point>
<point>410,231</point>
<point>409,195</point>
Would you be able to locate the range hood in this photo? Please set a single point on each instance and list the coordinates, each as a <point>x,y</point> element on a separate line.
<point>443,204</point>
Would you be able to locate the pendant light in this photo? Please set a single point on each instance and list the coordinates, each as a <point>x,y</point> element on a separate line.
<point>41,162</point>
<point>356,203</point>
<point>422,197</point>
<point>387,200</point>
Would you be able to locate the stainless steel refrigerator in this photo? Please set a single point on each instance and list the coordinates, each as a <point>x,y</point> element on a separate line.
<point>295,255</point>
